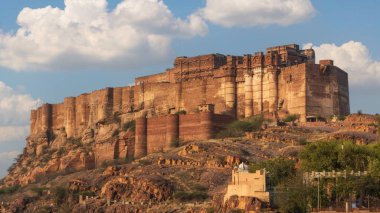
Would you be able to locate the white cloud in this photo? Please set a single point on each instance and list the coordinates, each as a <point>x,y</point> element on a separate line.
<point>248,13</point>
<point>14,113</point>
<point>84,34</point>
<point>353,57</point>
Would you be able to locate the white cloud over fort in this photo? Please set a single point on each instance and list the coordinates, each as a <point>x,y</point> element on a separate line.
<point>14,113</point>
<point>353,57</point>
<point>248,13</point>
<point>86,35</point>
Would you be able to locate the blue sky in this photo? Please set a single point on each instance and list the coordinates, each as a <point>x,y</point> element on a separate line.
<point>346,31</point>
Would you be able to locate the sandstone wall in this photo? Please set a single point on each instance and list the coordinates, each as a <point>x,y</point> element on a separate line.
<point>327,91</point>
<point>156,134</point>
<point>292,92</point>
<point>75,114</point>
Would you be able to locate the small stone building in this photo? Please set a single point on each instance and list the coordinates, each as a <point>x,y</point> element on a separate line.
<point>245,184</point>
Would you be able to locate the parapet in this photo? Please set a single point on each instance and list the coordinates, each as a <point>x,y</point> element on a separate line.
<point>211,61</point>
<point>326,62</point>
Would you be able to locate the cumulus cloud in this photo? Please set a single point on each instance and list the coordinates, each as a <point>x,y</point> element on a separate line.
<point>14,113</point>
<point>86,35</point>
<point>353,57</point>
<point>248,13</point>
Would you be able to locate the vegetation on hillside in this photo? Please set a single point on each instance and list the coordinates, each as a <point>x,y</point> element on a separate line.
<point>239,127</point>
<point>292,195</point>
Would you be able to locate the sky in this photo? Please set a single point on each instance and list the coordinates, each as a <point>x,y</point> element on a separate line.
<point>51,49</point>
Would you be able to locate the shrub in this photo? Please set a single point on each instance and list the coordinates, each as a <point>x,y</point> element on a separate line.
<point>87,193</point>
<point>279,169</point>
<point>199,187</point>
<point>129,125</point>
<point>341,118</point>
<point>38,190</point>
<point>9,190</point>
<point>175,143</point>
<point>181,112</point>
<point>75,141</point>
<point>291,118</point>
<point>59,193</point>
<point>12,167</point>
<point>61,151</point>
<point>145,162</point>
<point>190,196</point>
<point>302,141</point>
<point>239,127</point>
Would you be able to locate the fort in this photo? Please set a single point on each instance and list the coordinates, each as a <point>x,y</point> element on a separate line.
<point>197,97</point>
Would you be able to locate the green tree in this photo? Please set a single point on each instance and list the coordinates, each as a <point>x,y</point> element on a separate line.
<point>279,169</point>
<point>292,196</point>
<point>320,156</point>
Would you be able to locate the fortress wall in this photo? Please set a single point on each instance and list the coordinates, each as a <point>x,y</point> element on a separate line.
<point>161,131</point>
<point>160,77</point>
<point>192,95</point>
<point>156,134</point>
<point>320,90</point>
<point>57,117</point>
<point>44,118</point>
<point>33,120</point>
<point>138,96</point>
<point>343,92</point>
<point>76,113</point>
<point>265,91</point>
<point>101,105</point>
<point>141,137</point>
<point>105,151</point>
<point>172,130</point>
<point>117,100</point>
<point>70,116</point>
<point>82,113</point>
<point>214,94</point>
<point>248,96</point>
<point>127,98</point>
<point>203,62</point>
<point>273,90</point>
<point>230,95</point>
<point>160,96</point>
<point>240,99</point>
<point>189,127</point>
<point>292,92</point>
<point>257,87</point>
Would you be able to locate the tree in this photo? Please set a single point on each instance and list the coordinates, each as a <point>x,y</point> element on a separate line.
<point>279,169</point>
